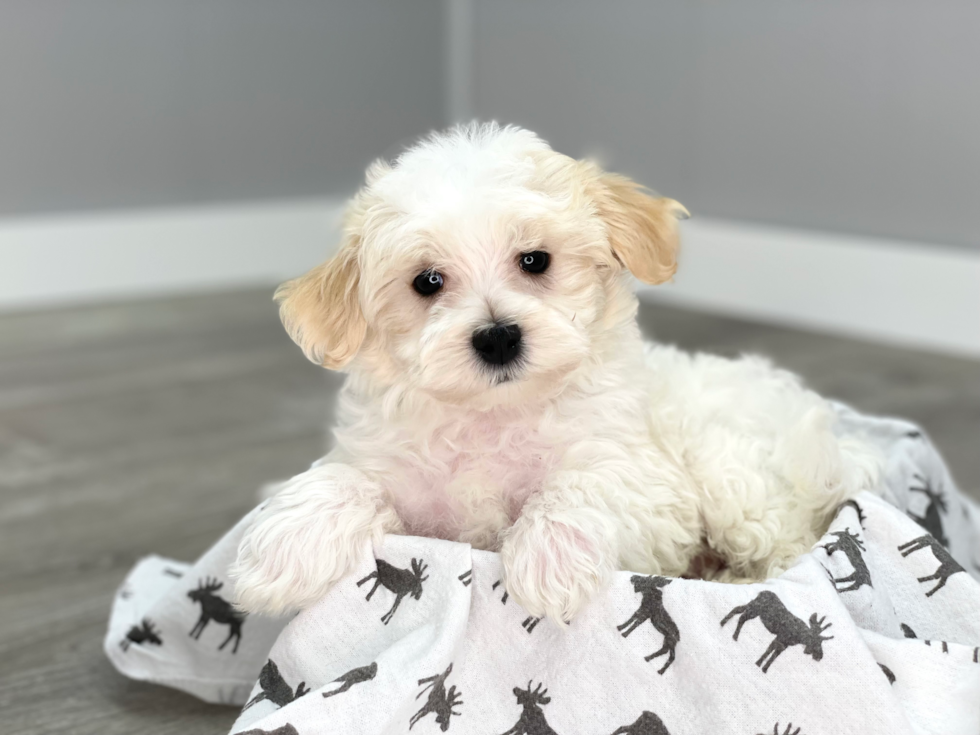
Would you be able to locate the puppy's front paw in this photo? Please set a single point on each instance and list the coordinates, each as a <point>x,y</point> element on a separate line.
<point>309,535</point>
<point>554,569</point>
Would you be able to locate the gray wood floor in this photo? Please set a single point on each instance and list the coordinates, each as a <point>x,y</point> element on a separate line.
<point>146,427</point>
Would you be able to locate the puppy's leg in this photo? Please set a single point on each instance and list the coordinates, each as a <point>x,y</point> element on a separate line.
<point>768,499</point>
<point>562,549</point>
<point>613,505</point>
<point>759,532</point>
<point>307,537</point>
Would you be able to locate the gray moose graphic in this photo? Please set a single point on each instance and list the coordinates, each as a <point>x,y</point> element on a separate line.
<point>652,608</point>
<point>274,688</point>
<point>532,720</point>
<point>948,566</point>
<point>788,731</point>
<point>931,520</point>
<point>853,549</point>
<point>440,702</point>
<point>788,629</point>
<point>646,724</point>
<point>145,632</point>
<point>217,609</point>
<point>352,677</point>
<point>530,622</point>
<point>400,581</point>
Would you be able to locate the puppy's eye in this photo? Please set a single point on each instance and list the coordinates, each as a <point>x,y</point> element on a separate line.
<point>535,262</point>
<point>427,283</point>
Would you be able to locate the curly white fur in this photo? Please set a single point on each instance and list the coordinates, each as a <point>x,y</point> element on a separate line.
<point>593,452</point>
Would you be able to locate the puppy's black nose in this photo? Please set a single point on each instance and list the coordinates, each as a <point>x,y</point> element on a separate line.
<point>499,344</point>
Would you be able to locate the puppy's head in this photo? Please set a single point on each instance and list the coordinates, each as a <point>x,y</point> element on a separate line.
<point>482,268</point>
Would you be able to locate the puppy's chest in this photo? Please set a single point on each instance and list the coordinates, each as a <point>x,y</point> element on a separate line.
<point>469,481</point>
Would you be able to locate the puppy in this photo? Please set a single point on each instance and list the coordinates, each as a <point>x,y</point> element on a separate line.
<point>499,393</point>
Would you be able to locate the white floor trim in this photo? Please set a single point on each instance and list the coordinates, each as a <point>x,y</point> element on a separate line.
<point>916,295</point>
<point>103,256</point>
<point>911,294</point>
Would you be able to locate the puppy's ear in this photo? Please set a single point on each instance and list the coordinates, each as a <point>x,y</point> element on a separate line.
<point>642,229</point>
<point>321,310</point>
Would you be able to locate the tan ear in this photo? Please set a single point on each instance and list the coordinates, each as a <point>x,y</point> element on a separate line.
<point>321,310</point>
<point>642,229</point>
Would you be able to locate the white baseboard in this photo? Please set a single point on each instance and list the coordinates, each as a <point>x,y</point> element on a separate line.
<point>916,295</point>
<point>68,259</point>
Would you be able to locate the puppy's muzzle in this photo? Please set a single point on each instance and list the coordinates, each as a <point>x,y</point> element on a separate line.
<point>498,344</point>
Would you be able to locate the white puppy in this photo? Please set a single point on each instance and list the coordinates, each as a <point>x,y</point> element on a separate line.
<point>499,393</point>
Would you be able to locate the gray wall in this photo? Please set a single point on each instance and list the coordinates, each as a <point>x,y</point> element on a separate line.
<point>121,103</point>
<point>851,115</point>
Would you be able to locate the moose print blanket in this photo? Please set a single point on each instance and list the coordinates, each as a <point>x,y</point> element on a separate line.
<point>876,630</point>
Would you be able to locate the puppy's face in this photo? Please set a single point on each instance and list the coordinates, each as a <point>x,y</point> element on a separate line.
<point>482,268</point>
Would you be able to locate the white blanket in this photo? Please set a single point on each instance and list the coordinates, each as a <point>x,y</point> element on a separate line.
<point>876,630</point>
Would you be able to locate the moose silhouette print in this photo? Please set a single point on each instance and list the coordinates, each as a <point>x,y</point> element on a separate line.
<point>352,677</point>
<point>274,688</point>
<point>217,609</point>
<point>652,608</point>
<point>857,509</point>
<point>889,674</point>
<point>530,622</point>
<point>646,724</point>
<point>145,632</point>
<point>948,566</point>
<point>852,546</point>
<point>532,720</point>
<point>400,581</point>
<point>286,729</point>
<point>788,731</point>
<point>931,520</point>
<point>788,629</point>
<point>440,702</point>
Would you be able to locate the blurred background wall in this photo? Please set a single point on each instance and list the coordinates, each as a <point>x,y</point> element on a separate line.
<point>861,117</point>
<point>828,150</point>
<point>147,103</point>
